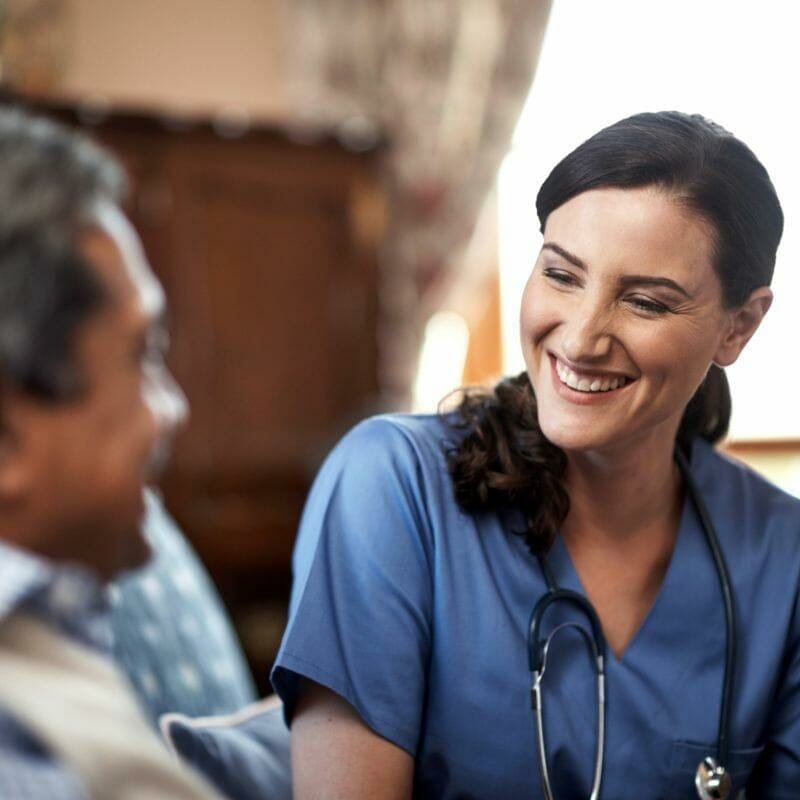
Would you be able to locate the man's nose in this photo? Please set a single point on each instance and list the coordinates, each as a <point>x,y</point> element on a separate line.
<point>587,333</point>
<point>167,401</point>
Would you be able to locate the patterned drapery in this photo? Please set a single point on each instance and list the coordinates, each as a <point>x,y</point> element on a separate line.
<point>444,81</point>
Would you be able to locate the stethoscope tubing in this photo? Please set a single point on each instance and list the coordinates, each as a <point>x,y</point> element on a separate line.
<point>723,738</point>
<point>537,662</point>
<point>598,766</point>
<point>537,650</point>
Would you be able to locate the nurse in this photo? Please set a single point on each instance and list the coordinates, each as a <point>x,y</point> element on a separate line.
<point>427,540</point>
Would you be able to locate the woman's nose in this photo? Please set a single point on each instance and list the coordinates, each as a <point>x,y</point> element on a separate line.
<point>586,334</point>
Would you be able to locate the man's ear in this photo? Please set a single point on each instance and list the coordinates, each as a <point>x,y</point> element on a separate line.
<point>14,467</point>
<point>744,322</point>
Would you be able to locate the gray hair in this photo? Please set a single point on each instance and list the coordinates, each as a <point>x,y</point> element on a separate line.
<point>50,178</point>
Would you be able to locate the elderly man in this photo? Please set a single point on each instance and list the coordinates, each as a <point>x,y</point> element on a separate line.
<point>86,408</point>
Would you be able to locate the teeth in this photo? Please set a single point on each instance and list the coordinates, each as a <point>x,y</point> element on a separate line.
<point>572,380</point>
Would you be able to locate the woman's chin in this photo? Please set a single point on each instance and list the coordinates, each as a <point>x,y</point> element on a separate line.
<point>572,437</point>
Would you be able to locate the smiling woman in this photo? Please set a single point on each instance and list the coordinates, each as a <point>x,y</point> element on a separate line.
<point>660,239</point>
<point>591,479</point>
<point>601,318</point>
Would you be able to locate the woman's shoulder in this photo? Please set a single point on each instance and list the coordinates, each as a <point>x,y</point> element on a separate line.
<point>388,461</point>
<point>754,509</point>
<point>745,485</point>
<point>420,441</point>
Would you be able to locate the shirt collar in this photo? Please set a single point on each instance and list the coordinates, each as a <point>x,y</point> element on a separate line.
<point>68,596</point>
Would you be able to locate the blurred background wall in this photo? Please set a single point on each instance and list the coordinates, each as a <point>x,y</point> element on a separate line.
<point>178,55</point>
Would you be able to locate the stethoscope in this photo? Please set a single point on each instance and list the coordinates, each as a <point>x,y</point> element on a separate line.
<point>712,779</point>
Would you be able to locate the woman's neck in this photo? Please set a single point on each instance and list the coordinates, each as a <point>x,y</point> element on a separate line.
<point>616,496</point>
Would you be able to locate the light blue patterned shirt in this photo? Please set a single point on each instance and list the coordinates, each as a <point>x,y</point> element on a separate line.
<point>73,600</point>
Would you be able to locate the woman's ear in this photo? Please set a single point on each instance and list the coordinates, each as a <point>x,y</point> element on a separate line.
<point>743,323</point>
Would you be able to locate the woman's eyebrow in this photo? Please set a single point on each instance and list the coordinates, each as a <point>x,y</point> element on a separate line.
<point>573,259</point>
<point>626,280</point>
<point>647,280</point>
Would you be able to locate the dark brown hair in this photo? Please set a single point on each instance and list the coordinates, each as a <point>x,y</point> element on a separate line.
<point>504,459</point>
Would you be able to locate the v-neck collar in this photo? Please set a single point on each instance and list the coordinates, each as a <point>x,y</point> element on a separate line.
<point>682,635</point>
<point>676,601</point>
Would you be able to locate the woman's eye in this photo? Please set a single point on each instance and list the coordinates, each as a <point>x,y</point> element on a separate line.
<point>559,276</point>
<point>647,305</point>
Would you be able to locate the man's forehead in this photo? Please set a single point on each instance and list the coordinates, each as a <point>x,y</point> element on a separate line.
<point>115,250</point>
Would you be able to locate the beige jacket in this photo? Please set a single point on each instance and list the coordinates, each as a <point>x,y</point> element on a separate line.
<point>77,703</point>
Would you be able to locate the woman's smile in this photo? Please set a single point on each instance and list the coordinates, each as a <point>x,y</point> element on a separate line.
<point>586,386</point>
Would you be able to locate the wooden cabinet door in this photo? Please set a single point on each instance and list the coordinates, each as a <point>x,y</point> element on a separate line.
<point>274,317</point>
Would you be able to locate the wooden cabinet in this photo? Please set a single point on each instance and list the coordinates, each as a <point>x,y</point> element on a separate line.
<point>267,249</point>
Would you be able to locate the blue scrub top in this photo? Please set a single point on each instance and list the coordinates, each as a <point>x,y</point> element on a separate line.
<point>417,614</point>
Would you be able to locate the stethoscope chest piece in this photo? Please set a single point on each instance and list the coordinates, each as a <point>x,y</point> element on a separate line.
<point>712,780</point>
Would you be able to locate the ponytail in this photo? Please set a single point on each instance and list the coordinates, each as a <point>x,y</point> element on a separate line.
<point>708,413</point>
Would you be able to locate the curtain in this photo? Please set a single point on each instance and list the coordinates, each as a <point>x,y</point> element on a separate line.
<point>444,81</point>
